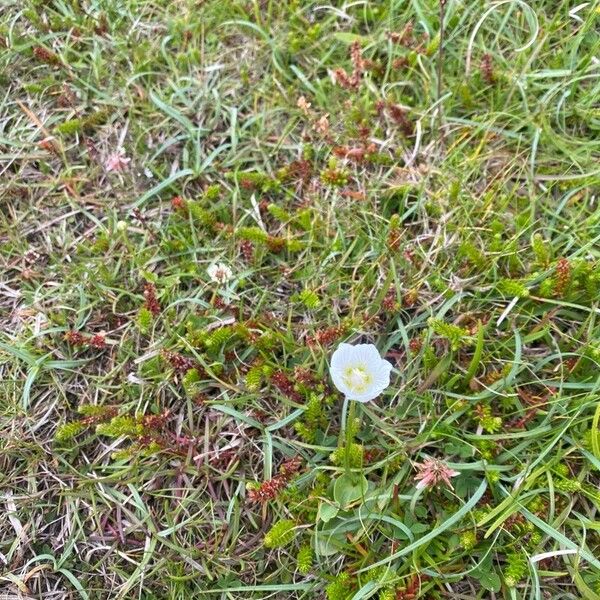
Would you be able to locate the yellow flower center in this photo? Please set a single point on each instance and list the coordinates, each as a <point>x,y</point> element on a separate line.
<point>357,379</point>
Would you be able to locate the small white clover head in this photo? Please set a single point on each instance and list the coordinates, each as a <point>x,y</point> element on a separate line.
<point>359,372</point>
<point>219,273</point>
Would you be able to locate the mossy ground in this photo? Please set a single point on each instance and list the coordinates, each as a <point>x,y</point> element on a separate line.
<point>366,178</point>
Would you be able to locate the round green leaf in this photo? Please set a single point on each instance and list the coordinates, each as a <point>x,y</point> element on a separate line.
<point>348,488</point>
<point>327,511</point>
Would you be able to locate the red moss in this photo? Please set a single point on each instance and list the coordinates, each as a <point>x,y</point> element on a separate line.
<point>563,276</point>
<point>351,82</point>
<point>325,337</point>
<point>247,250</point>
<point>356,153</point>
<point>400,63</point>
<point>285,385</point>
<point>156,422</point>
<point>151,301</point>
<point>290,467</point>
<point>220,304</point>
<point>107,414</point>
<point>394,237</point>
<point>275,244</point>
<point>270,489</point>
<point>45,55</point>
<point>390,302</point>
<point>301,170</point>
<point>404,37</point>
<point>178,204</point>
<point>67,98</point>
<point>487,69</point>
<point>75,338</point>
<point>97,341</point>
<point>400,116</point>
<point>303,375</point>
<point>246,183</point>
<point>415,345</point>
<point>180,363</point>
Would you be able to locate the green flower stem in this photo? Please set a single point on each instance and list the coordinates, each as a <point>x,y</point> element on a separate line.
<point>349,424</point>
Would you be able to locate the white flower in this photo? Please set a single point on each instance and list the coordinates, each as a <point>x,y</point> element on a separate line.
<point>219,272</point>
<point>359,372</point>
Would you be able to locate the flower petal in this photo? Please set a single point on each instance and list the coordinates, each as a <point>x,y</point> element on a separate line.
<point>367,359</point>
<point>342,356</point>
<point>337,375</point>
<point>368,353</point>
<point>366,396</point>
<point>381,374</point>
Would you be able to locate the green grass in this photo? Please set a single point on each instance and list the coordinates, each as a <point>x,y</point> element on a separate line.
<point>453,222</point>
